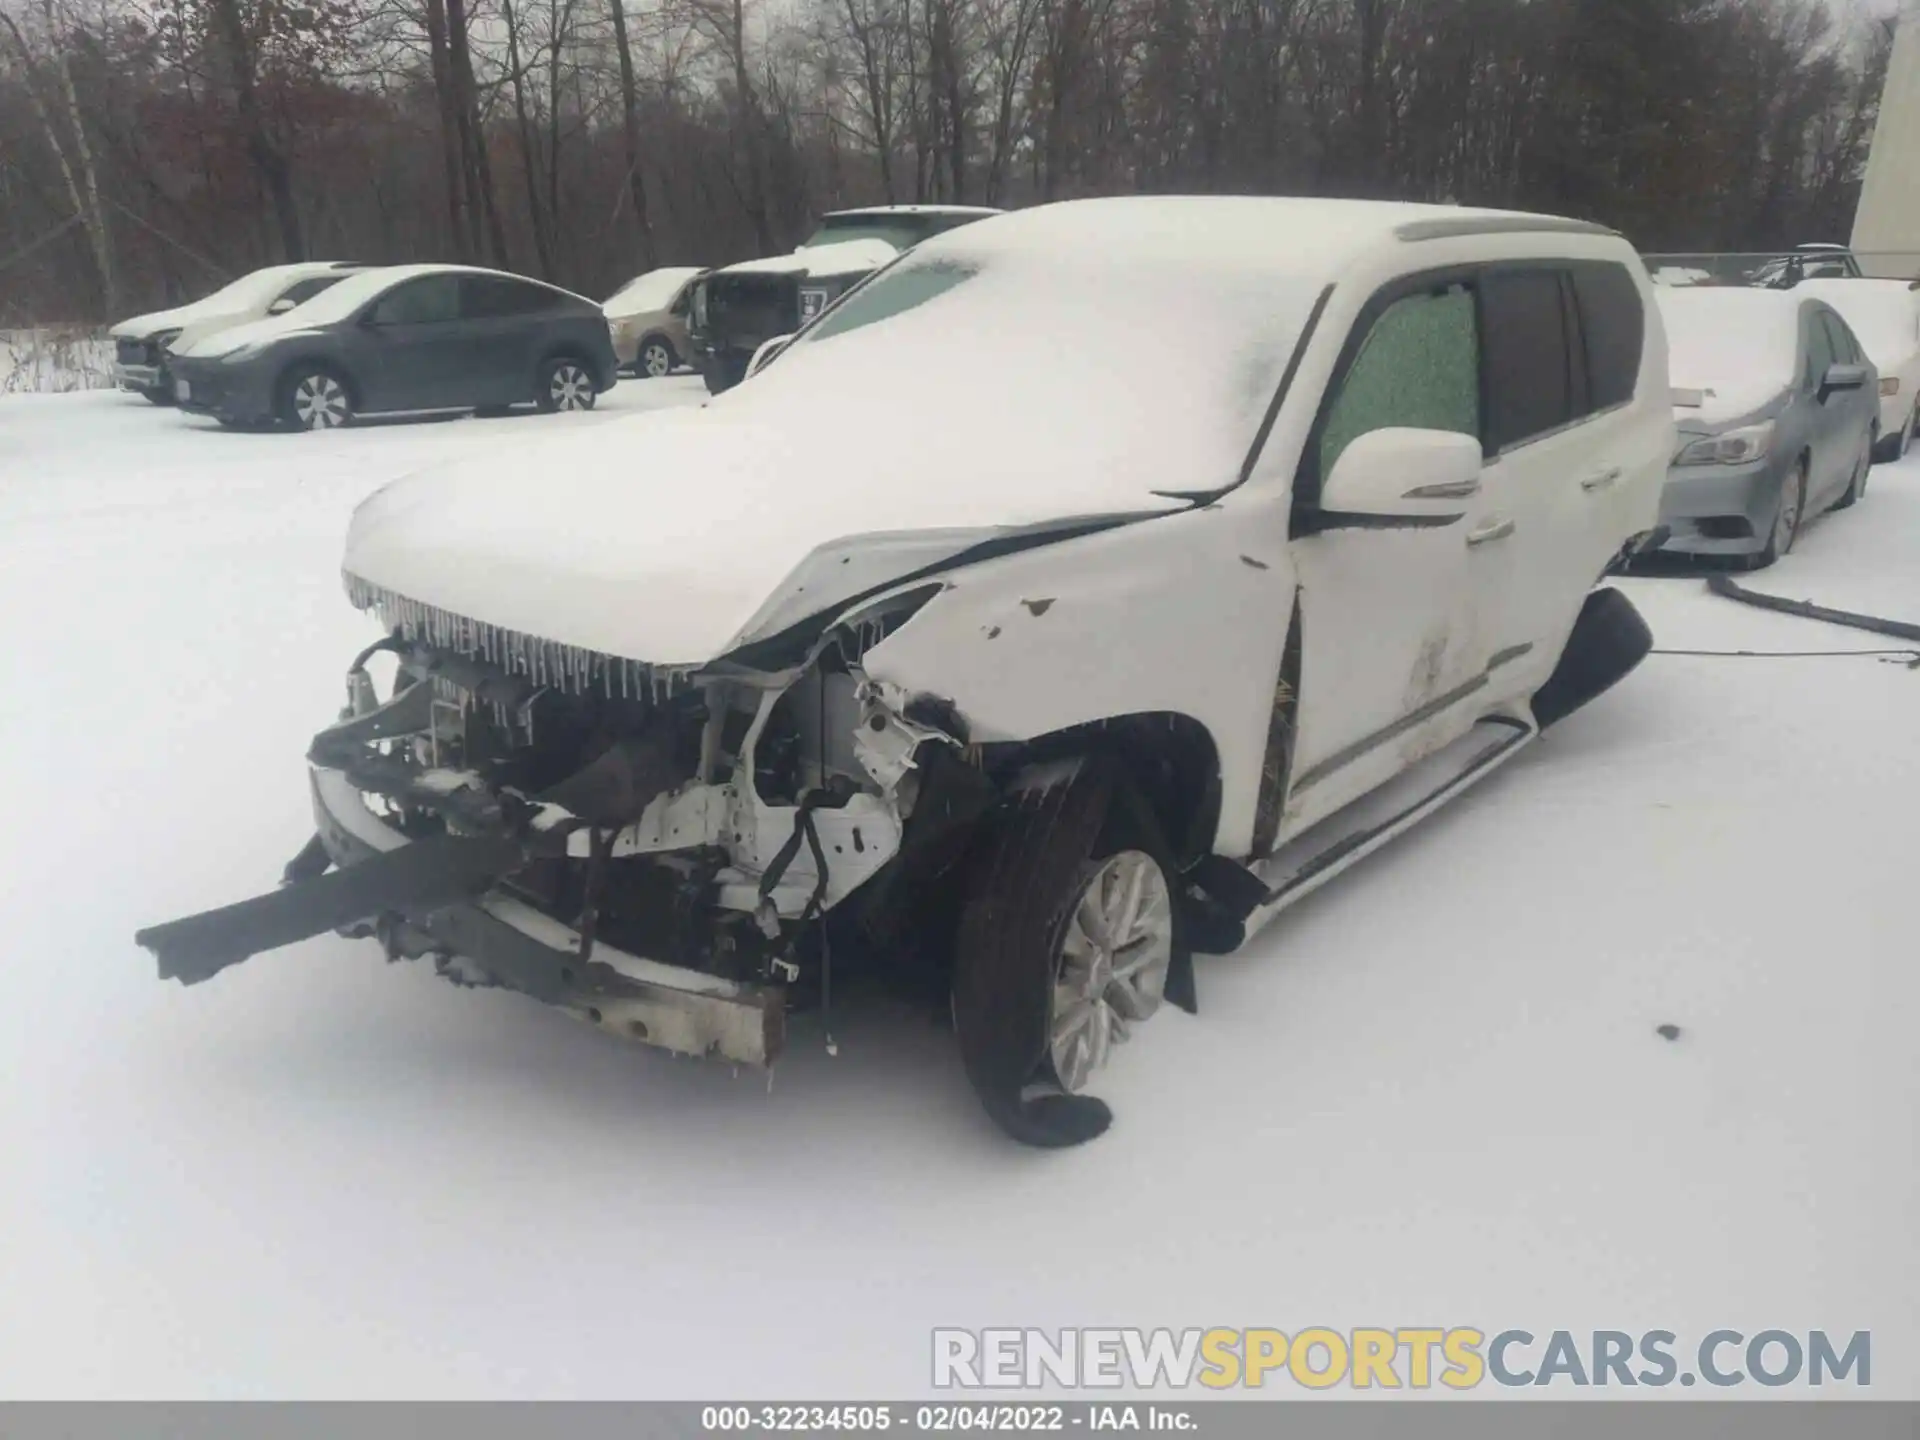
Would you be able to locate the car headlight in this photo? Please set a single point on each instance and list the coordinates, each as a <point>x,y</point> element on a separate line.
<point>244,353</point>
<point>1734,447</point>
<point>162,340</point>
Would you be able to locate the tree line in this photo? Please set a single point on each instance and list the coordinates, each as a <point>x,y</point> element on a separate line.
<point>151,149</point>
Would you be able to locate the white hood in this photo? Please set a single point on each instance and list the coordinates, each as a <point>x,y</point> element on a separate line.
<point>197,315</point>
<point>1730,398</point>
<point>675,537</point>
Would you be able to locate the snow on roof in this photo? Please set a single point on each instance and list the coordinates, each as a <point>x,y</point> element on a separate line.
<point>912,210</point>
<point>839,258</point>
<point>1883,314</point>
<point>1276,235</point>
<point>1741,345</point>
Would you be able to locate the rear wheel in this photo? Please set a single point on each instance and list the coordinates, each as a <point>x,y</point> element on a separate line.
<point>313,397</point>
<point>565,384</point>
<point>1786,518</point>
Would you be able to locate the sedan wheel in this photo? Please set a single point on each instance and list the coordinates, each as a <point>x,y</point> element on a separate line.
<point>1786,519</point>
<point>656,359</point>
<point>1113,962</point>
<point>316,400</point>
<point>568,387</point>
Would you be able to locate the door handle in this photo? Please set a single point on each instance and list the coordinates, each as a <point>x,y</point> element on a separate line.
<point>1445,490</point>
<point>1487,533</point>
<point>1602,480</point>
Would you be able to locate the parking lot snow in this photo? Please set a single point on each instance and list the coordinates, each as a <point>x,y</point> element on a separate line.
<point>1435,1094</point>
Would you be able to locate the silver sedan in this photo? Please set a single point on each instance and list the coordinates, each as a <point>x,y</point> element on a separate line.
<point>1777,410</point>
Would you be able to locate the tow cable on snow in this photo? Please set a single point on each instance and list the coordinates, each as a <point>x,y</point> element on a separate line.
<point>1807,610</point>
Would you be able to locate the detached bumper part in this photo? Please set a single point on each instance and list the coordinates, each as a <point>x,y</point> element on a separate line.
<point>434,898</point>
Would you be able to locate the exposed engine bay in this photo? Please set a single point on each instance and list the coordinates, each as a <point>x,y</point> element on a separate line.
<point>702,818</point>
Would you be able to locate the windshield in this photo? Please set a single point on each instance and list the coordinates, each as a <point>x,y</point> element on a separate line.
<point>338,302</point>
<point>254,289</point>
<point>1032,350</point>
<point>1720,337</point>
<point>902,234</point>
<point>652,291</point>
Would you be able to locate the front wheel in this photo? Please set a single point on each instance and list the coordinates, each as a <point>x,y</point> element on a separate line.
<point>1857,485</point>
<point>1786,519</point>
<point>1068,936</point>
<point>314,398</point>
<point>565,384</point>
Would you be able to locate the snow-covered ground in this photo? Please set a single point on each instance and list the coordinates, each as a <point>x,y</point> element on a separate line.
<point>1432,1095</point>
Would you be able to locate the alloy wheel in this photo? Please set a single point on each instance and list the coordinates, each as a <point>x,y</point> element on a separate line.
<point>571,388</point>
<point>655,360</point>
<point>320,403</point>
<point>1113,962</point>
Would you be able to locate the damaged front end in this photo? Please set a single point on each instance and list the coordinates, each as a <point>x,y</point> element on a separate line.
<point>652,849</point>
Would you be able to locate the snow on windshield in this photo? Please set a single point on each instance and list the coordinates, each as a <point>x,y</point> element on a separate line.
<point>254,289</point>
<point>1162,370</point>
<point>1721,338</point>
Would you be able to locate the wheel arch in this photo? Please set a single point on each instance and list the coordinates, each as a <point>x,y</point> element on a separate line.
<point>1169,758</point>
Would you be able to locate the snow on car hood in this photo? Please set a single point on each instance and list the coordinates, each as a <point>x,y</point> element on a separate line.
<point>196,315</point>
<point>1735,351</point>
<point>675,537</point>
<point>946,407</point>
<point>211,345</point>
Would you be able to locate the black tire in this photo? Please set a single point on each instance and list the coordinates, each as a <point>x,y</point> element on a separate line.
<point>161,394</point>
<point>722,373</point>
<point>313,397</point>
<point>1021,893</point>
<point>1784,532</point>
<point>1608,640</point>
<point>1857,486</point>
<point>566,383</point>
<point>655,358</point>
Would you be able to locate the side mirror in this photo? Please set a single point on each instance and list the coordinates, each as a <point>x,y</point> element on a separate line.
<point>281,306</point>
<point>1843,377</point>
<point>1400,477</point>
<point>768,350</point>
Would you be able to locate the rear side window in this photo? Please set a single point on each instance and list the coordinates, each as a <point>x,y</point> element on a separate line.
<point>1419,366</point>
<point>1530,382</point>
<point>425,301</point>
<point>486,297</point>
<point>1613,325</point>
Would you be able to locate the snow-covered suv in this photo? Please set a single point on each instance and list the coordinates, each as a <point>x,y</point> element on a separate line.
<point>144,344</point>
<point>962,645</point>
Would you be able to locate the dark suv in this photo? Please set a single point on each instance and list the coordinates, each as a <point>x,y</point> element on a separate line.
<point>740,308</point>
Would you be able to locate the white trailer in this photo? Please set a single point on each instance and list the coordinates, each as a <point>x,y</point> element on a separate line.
<point>1886,226</point>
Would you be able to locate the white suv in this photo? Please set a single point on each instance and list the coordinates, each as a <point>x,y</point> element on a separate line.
<point>144,344</point>
<point>963,645</point>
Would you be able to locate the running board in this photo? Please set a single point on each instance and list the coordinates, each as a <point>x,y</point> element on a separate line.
<point>1310,859</point>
